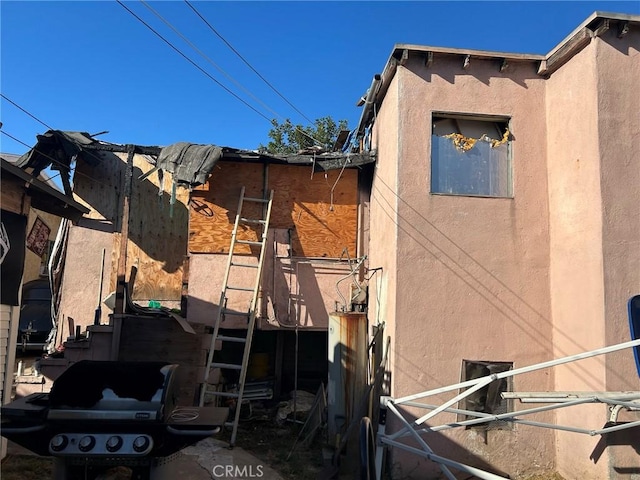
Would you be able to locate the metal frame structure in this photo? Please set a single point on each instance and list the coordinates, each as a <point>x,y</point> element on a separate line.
<point>556,400</point>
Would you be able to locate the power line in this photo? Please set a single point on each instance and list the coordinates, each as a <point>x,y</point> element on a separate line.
<point>53,160</point>
<point>207,58</point>
<point>57,162</point>
<point>202,54</point>
<point>247,63</point>
<point>25,111</point>
<point>177,50</point>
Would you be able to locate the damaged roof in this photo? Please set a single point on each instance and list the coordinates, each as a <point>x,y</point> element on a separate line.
<point>43,196</point>
<point>190,163</point>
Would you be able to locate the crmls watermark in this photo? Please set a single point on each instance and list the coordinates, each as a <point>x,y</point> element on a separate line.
<point>237,471</point>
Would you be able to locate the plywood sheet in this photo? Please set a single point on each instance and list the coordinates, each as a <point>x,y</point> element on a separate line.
<point>320,210</point>
<point>157,234</point>
<point>100,187</point>
<point>214,206</point>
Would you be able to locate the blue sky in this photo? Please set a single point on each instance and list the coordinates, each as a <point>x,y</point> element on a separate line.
<point>92,66</point>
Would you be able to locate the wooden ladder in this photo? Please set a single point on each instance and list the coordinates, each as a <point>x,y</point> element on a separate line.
<point>228,291</point>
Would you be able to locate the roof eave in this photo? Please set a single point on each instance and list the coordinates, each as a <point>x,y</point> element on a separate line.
<point>43,194</point>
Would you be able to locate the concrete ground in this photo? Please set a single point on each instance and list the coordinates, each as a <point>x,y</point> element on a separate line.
<point>209,459</point>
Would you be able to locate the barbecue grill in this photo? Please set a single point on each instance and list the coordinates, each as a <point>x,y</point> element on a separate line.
<point>100,415</point>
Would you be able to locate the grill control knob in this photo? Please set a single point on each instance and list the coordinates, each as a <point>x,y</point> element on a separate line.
<point>114,443</point>
<point>140,444</point>
<point>59,442</point>
<point>86,443</point>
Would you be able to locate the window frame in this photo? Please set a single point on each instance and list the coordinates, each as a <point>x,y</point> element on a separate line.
<point>505,405</point>
<point>490,118</point>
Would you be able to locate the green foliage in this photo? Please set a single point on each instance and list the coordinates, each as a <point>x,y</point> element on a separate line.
<point>288,138</point>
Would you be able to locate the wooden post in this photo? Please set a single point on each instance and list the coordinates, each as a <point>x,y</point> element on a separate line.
<point>124,233</point>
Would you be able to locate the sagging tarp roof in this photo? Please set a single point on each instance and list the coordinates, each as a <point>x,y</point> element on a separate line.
<point>189,163</point>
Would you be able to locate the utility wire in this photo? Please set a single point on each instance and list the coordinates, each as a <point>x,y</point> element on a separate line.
<point>246,62</point>
<point>203,55</point>
<point>177,50</point>
<point>53,160</point>
<point>229,77</point>
<point>25,111</point>
<point>43,123</point>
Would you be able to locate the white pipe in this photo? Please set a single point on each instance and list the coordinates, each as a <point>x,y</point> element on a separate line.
<point>517,371</point>
<point>420,440</point>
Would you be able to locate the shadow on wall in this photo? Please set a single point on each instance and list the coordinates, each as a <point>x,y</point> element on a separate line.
<point>482,70</point>
<point>409,466</point>
<point>629,437</point>
<point>158,222</point>
<point>445,250</point>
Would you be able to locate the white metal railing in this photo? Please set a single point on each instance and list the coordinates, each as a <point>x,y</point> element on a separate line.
<point>557,400</point>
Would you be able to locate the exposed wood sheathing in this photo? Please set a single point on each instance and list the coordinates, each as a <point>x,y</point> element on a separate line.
<point>157,240</point>
<point>322,224</point>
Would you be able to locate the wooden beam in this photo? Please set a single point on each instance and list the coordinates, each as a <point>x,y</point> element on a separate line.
<point>123,148</point>
<point>623,29</point>
<point>404,57</point>
<point>124,233</point>
<point>428,60</point>
<point>561,56</point>
<point>601,28</point>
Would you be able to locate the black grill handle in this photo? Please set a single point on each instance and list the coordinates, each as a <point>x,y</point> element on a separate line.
<point>193,433</point>
<point>12,430</point>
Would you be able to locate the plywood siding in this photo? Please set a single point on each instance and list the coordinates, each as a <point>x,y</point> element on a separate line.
<point>158,225</point>
<point>214,206</point>
<point>157,235</point>
<point>320,210</point>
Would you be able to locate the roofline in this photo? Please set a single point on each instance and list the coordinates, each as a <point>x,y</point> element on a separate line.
<point>75,209</point>
<point>464,51</point>
<point>623,17</point>
<point>595,25</point>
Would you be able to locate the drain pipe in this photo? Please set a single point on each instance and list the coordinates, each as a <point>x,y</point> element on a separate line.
<point>368,105</point>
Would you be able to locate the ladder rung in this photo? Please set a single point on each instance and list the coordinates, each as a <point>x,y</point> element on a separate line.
<point>222,394</point>
<point>248,265</point>
<point>242,289</point>
<point>248,242</point>
<point>259,200</point>
<point>252,220</point>
<point>225,338</point>
<point>228,366</point>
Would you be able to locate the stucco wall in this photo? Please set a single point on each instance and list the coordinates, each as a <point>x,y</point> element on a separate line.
<point>383,218</point>
<point>618,77</point>
<point>577,290</point>
<point>292,291</point>
<point>473,272</point>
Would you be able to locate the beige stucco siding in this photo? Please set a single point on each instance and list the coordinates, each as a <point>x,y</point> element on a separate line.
<point>577,291</point>
<point>618,78</point>
<point>481,264</point>
<point>383,219</point>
